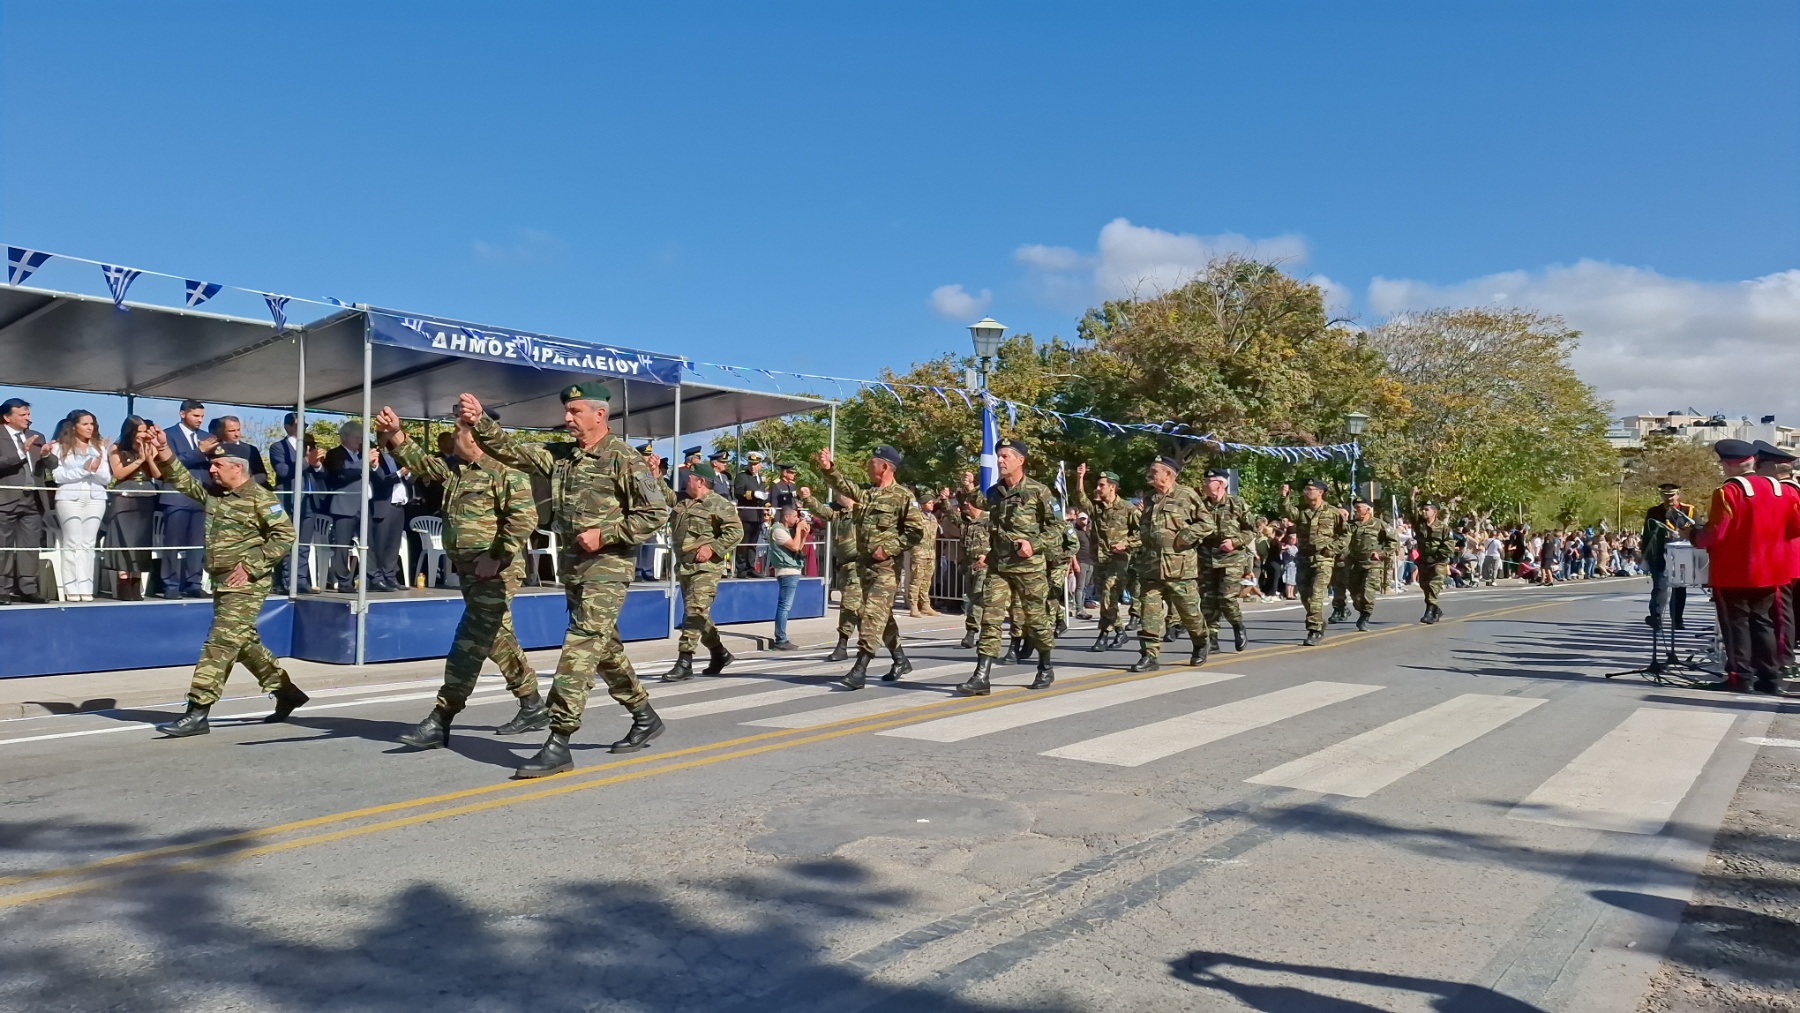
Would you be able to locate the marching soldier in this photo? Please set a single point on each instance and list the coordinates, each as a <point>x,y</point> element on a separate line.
<point>1115,521</point>
<point>974,563</point>
<point>1021,521</point>
<point>604,504</point>
<point>843,553</point>
<point>247,533</point>
<point>1369,545</point>
<point>706,530</point>
<point>1437,545</point>
<point>489,515</point>
<point>888,523</point>
<point>1171,528</point>
<point>1320,529</point>
<point>924,563</point>
<point>1225,558</point>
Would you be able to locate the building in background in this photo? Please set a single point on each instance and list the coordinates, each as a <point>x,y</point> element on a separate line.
<point>1628,433</point>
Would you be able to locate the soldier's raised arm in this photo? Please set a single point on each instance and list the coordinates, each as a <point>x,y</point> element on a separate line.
<point>424,467</point>
<point>508,449</point>
<point>1082,502</point>
<point>818,509</point>
<point>177,475</point>
<point>835,478</point>
<point>518,515</point>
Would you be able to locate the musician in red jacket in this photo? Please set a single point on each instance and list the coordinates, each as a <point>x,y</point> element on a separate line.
<point>1746,537</point>
<point>1776,463</point>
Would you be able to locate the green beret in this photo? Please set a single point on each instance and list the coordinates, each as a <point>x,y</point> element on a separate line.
<point>1110,476</point>
<point>592,390</point>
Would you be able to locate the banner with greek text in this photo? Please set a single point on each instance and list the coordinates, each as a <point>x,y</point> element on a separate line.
<point>471,341</point>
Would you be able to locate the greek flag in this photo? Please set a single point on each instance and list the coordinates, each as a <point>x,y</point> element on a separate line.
<point>1062,487</point>
<point>21,263</point>
<point>277,309</point>
<point>200,291</point>
<point>119,279</point>
<point>990,436</point>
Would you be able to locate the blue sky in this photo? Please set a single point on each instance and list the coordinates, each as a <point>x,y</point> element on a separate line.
<point>788,185</point>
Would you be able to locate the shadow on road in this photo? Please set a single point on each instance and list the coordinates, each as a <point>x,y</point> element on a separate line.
<point>1205,970</point>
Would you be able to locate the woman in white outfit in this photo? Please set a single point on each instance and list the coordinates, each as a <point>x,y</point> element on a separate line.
<point>81,479</point>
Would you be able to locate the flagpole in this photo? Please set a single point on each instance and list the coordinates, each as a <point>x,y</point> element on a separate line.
<point>294,508</point>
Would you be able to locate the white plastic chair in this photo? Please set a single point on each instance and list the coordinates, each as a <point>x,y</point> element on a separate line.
<point>431,536</point>
<point>531,559</point>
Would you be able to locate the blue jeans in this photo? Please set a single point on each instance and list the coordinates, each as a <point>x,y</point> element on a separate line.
<point>784,603</point>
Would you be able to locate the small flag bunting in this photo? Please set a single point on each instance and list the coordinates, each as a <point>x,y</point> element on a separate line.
<point>118,281</point>
<point>200,291</point>
<point>277,309</point>
<point>22,263</point>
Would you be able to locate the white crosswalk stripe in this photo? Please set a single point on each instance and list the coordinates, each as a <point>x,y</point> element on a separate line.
<point>745,701</point>
<point>958,727</point>
<point>1135,747</point>
<point>1631,780</point>
<point>879,702</point>
<point>1366,763</point>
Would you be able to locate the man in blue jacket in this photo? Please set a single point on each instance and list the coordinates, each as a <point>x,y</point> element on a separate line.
<point>183,520</point>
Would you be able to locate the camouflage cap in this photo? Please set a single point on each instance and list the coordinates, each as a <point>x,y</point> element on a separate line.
<point>590,390</point>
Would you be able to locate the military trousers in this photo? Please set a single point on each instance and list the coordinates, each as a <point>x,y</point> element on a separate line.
<point>924,566</point>
<point>1160,596</point>
<point>485,631</point>
<point>591,647</point>
<point>1111,576</point>
<point>1431,580</point>
<point>1220,583</point>
<point>974,583</point>
<point>233,638</point>
<point>1056,592</point>
<point>850,600</point>
<point>1022,595</point>
<point>1315,583</point>
<point>875,621</point>
<point>698,589</point>
<point>1363,583</point>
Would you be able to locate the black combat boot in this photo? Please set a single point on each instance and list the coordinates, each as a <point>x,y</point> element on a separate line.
<point>842,651</point>
<point>287,698</point>
<point>1011,657</point>
<point>432,733</point>
<point>552,759</point>
<point>682,671</point>
<point>1171,633</point>
<point>1240,638</point>
<point>1023,650</point>
<point>900,667</point>
<point>1430,615</point>
<point>977,684</point>
<point>1202,649</point>
<point>720,658</point>
<point>191,723</point>
<point>1146,663</point>
<point>1046,673</point>
<point>1339,614</point>
<point>1362,622</point>
<point>1212,641</point>
<point>1102,642</point>
<point>533,716</point>
<point>968,640</point>
<point>859,672</point>
<point>1313,638</point>
<point>645,725</point>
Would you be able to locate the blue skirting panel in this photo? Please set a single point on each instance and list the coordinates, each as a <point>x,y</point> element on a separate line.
<point>53,640</point>
<point>103,637</point>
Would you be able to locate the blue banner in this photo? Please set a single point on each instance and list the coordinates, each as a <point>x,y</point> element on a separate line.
<point>470,341</point>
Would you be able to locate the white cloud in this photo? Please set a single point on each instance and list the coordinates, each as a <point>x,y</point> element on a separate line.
<point>526,246</point>
<point>1339,299</point>
<point>954,302</point>
<point>1650,342</point>
<point>1131,259</point>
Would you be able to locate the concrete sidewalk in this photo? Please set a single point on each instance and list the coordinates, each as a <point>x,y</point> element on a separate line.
<point>35,696</point>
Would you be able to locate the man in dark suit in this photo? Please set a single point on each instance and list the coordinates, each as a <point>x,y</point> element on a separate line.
<point>389,493</point>
<point>343,478</point>
<point>24,463</point>
<point>229,431</point>
<point>183,521</point>
<point>290,457</point>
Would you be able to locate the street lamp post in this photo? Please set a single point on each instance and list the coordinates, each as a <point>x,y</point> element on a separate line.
<point>1353,424</point>
<point>987,333</point>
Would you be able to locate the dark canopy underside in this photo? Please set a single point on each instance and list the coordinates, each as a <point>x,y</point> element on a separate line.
<point>78,342</point>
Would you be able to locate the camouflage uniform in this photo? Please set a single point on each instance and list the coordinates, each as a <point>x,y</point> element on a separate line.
<point>245,526</point>
<point>1437,545</point>
<point>974,547</point>
<point>1222,573</point>
<point>488,511</point>
<point>608,489</point>
<point>1023,512</point>
<point>888,519</point>
<point>1056,573</point>
<point>843,551</point>
<point>1170,529</point>
<point>924,566</point>
<point>709,520</point>
<point>1367,547</point>
<point>1321,532</point>
<point>1115,523</point>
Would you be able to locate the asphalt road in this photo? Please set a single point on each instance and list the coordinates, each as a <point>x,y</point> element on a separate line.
<point>1462,817</point>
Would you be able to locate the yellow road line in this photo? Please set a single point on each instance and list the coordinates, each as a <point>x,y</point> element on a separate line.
<point>564,784</point>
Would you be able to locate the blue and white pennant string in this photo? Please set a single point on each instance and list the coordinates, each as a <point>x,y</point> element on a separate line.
<point>118,281</point>
<point>200,291</point>
<point>21,263</point>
